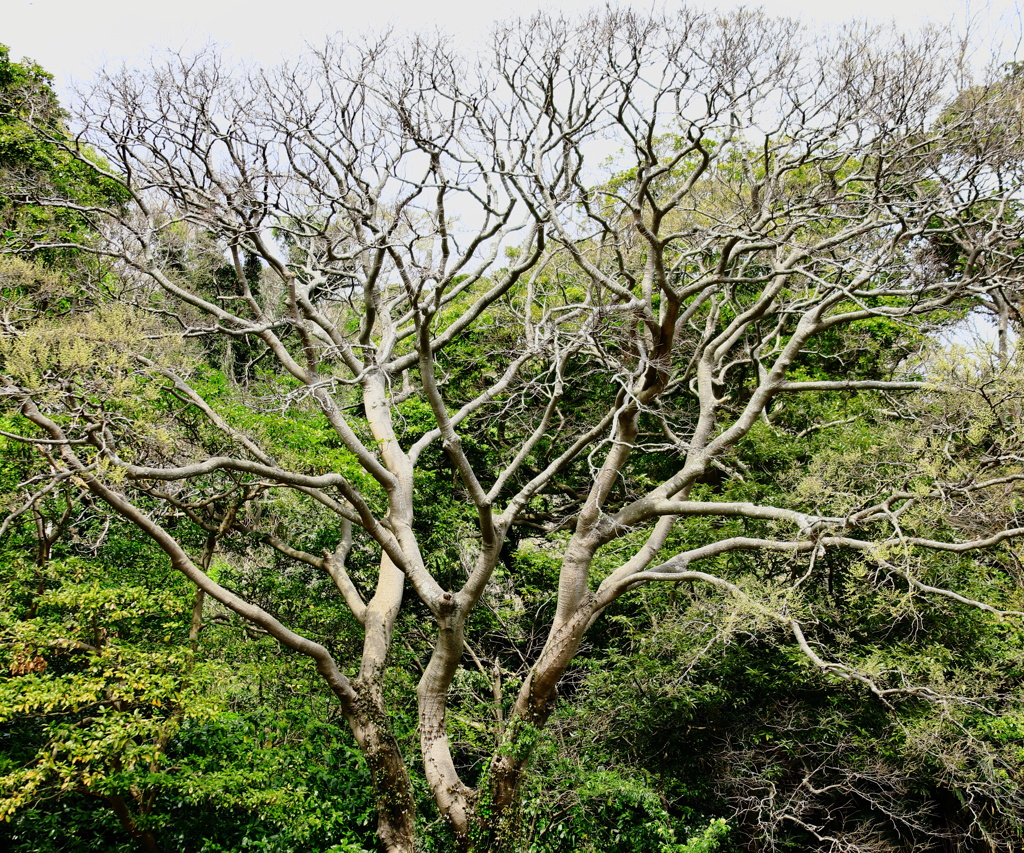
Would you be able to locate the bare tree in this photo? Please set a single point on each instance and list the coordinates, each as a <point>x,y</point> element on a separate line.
<point>765,192</point>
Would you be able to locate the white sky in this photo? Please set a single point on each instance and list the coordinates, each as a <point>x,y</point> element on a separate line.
<point>72,38</point>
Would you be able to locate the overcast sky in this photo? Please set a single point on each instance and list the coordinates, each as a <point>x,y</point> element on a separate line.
<point>72,38</point>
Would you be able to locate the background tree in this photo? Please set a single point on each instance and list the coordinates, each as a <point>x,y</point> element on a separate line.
<point>597,351</point>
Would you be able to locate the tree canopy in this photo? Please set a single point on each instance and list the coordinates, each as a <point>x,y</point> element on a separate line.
<point>439,370</point>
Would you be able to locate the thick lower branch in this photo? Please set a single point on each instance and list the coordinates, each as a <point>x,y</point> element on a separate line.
<point>450,794</point>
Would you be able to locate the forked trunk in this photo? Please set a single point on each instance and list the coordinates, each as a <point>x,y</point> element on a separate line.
<point>499,824</point>
<point>488,820</point>
<point>498,818</point>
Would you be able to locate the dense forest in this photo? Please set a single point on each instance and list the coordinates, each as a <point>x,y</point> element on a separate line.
<point>610,441</point>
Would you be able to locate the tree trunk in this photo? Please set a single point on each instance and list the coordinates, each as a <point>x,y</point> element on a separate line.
<point>499,807</point>
<point>392,787</point>
<point>147,841</point>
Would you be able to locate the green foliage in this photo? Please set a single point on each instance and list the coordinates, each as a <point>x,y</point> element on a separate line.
<point>217,752</point>
<point>690,722</point>
<point>101,679</point>
<point>734,723</point>
<point>37,157</point>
